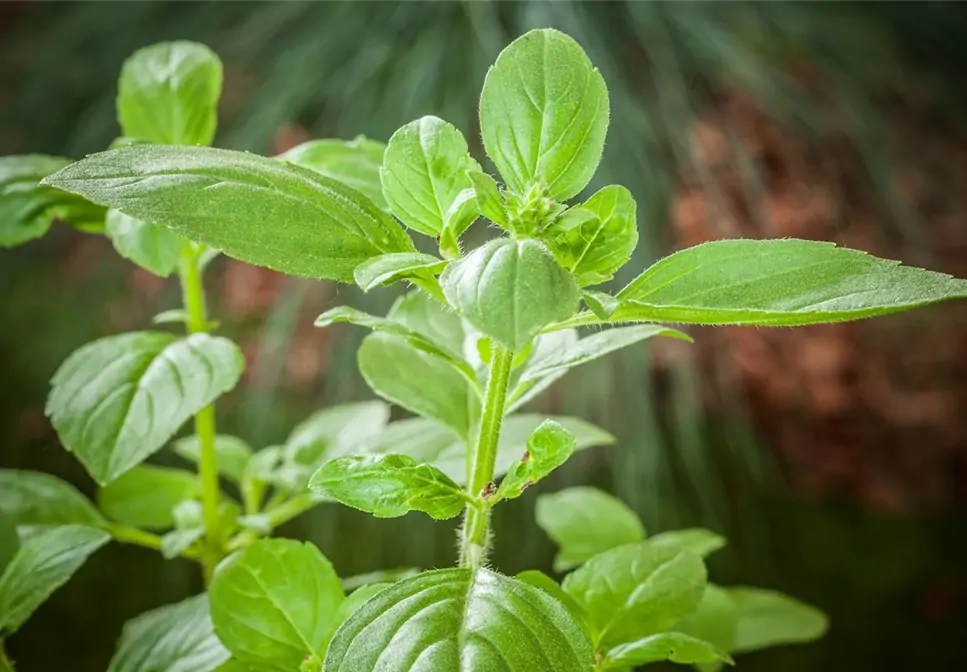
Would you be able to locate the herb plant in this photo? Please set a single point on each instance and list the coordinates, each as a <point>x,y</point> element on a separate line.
<point>481,333</point>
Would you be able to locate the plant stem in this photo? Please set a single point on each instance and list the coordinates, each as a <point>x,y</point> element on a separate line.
<point>193,296</point>
<point>6,665</point>
<point>132,535</point>
<point>480,462</point>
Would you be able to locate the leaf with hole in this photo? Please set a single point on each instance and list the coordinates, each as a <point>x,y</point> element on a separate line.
<point>547,448</point>
<point>672,646</point>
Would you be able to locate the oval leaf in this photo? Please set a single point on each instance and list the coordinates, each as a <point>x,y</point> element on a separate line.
<point>547,448</point>
<point>769,618</point>
<point>266,212</point>
<point>150,246</point>
<point>698,540</point>
<point>459,619</point>
<point>388,268</point>
<point>117,400</point>
<point>544,114</point>
<point>276,603</point>
<point>714,620</point>
<point>354,162</point>
<point>673,646</point>
<point>778,283</point>
<point>33,498</point>
<point>147,495</point>
<point>510,290</point>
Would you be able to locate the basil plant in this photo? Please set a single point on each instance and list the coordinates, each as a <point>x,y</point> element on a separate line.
<point>480,333</point>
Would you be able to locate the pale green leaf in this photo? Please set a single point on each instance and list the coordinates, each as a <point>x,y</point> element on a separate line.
<point>489,202</point>
<point>635,590</point>
<point>175,315</point>
<point>354,162</point>
<point>672,646</point>
<point>231,452</point>
<point>544,346</point>
<point>168,93</point>
<point>769,618</point>
<point>553,588</point>
<point>714,620</point>
<point>584,522</point>
<point>544,114</point>
<point>784,282</point>
<point>45,561</point>
<point>358,598</point>
<point>34,498</point>
<point>547,448</point>
<point>389,268</point>
<point>119,399</point>
<point>459,619</point>
<point>147,495</point>
<point>601,304</point>
<point>510,290</point>
<point>431,318</point>
<point>177,541</point>
<point>174,638</point>
<point>698,540</point>
<point>424,170</point>
<point>458,218</point>
<point>380,576</point>
<point>320,228</point>
<point>151,247</point>
<point>276,603</point>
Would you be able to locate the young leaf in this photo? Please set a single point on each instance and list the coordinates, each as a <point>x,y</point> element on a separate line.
<point>698,540</point>
<point>600,303</point>
<point>584,522</point>
<point>27,209</point>
<point>768,618</point>
<point>547,448</point>
<point>320,228</point>
<point>489,202</point>
<point>460,215</point>
<point>424,170</point>
<point>388,268</point>
<point>634,590</point>
<point>673,646</point>
<point>34,498</point>
<point>510,290</point>
<point>232,452</point>
<point>418,382</point>
<point>151,247</point>
<point>275,603</point>
<point>147,495</point>
<point>169,639</point>
<point>460,619</point>
<point>173,316</point>
<point>44,563</point>
<point>544,114</point>
<point>354,162</point>
<point>389,486</point>
<point>775,283</point>
<point>117,400</point>
<point>168,93</point>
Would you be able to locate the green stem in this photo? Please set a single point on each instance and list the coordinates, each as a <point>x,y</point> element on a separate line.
<point>193,296</point>
<point>132,535</point>
<point>480,462</point>
<point>6,665</point>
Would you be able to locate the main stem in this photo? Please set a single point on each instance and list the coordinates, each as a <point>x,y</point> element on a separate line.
<point>474,536</point>
<point>193,297</point>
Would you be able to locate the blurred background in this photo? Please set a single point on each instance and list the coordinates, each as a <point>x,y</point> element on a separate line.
<point>834,458</point>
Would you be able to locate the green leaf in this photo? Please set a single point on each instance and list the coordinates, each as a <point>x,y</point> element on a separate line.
<point>173,316</point>
<point>147,495</point>
<point>698,540</point>
<point>389,268</point>
<point>380,576</point>
<point>275,603</point>
<point>784,282</point>
<point>34,498</point>
<point>434,320</point>
<point>177,541</point>
<point>389,486</point>
<point>459,216</point>
<point>541,580</point>
<point>44,563</point>
<point>9,541</point>
<point>354,162</point>
<point>769,618</point>
<point>417,381</point>
<point>259,473</point>
<point>544,346</point>
<point>424,170</point>
<point>459,619</point>
<point>714,620</point>
<point>168,93</point>
<point>548,447</point>
<point>119,399</point>
<point>635,590</point>
<point>601,304</point>
<point>27,209</point>
<point>232,452</point>
<point>174,638</point>
<point>489,202</point>
<point>151,247</point>
<point>510,290</point>
<point>544,114</point>
<point>584,522</point>
<point>320,227</point>
<point>673,646</point>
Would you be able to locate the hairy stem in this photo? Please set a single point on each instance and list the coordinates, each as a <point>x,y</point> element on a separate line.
<point>193,296</point>
<point>474,536</point>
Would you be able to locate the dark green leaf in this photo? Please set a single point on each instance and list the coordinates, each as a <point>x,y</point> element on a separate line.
<point>168,93</point>
<point>43,564</point>
<point>147,495</point>
<point>320,227</point>
<point>673,646</point>
<point>389,486</point>
<point>232,453</point>
<point>151,247</point>
<point>510,290</point>
<point>547,448</point>
<point>388,268</point>
<point>9,541</point>
<point>173,638</point>
<point>354,162</point>
<point>34,498</point>
<point>584,522</point>
<point>276,603</point>
<point>458,619</point>
<point>544,114</point>
<point>698,540</point>
<point>489,202</point>
<point>768,618</point>
<point>119,399</point>
<point>784,282</point>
